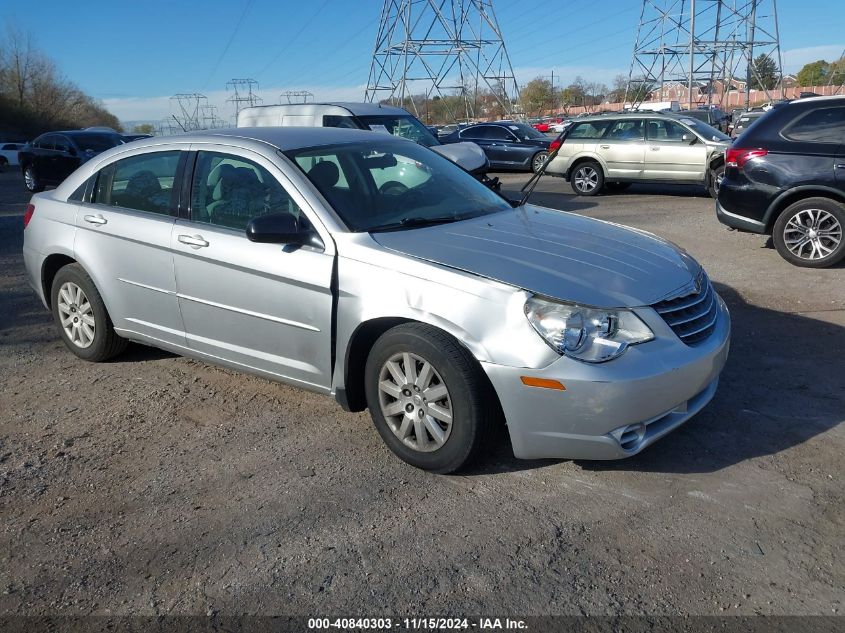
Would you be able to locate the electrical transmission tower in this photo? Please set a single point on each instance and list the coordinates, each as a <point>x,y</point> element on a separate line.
<point>704,50</point>
<point>186,110</point>
<point>444,49</point>
<point>296,96</point>
<point>243,93</point>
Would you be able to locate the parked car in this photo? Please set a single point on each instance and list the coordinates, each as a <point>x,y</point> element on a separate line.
<point>9,154</point>
<point>785,177</point>
<point>744,121</point>
<point>561,126</point>
<point>52,157</point>
<point>369,268</point>
<point>714,117</point>
<point>508,145</point>
<point>128,138</point>
<point>615,150</point>
<point>365,116</point>
<point>542,125</point>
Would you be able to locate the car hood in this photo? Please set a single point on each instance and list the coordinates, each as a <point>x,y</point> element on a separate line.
<point>556,254</point>
<point>467,155</point>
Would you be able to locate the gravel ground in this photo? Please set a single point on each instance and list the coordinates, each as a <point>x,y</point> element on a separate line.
<point>160,485</point>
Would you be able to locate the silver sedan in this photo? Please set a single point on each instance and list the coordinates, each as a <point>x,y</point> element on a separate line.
<point>371,269</point>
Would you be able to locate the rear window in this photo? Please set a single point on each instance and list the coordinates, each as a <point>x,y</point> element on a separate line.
<point>96,142</point>
<point>824,125</point>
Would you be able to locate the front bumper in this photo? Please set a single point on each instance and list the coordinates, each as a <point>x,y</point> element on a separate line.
<point>613,410</point>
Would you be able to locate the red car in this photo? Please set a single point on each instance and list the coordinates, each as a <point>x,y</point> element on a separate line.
<point>546,124</point>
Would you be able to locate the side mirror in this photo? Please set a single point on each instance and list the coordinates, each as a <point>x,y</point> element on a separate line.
<point>282,228</point>
<point>70,151</point>
<point>689,138</point>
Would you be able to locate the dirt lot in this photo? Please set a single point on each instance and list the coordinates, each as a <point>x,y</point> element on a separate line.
<point>157,484</point>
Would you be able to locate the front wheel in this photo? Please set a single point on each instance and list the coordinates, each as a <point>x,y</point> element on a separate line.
<point>427,397</point>
<point>31,180</point>
<point>538,161</point>
<point>587,179</point>
<point>715,181</point>
<point>809,233</point>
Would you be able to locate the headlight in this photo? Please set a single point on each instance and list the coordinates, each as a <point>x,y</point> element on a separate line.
<point>588,334</point>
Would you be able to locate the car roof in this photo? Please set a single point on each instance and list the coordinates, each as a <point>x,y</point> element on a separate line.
<point>283,138</point>
<point>366,109</point>
<point>804,102</point>
<point>626,115</point>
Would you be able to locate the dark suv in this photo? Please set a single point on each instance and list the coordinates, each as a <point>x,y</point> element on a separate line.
<point>52,157</point>
<point>785,176</point>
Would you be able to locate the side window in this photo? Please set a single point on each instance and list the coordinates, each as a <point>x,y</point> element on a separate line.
<point>229,191</point>
<point>588,130</point>
<point>627,130</point>
<point>143,183</point>
<point>668,131</point>
<point>47,142</point>
<point>479,131</point>
<point>825,125</point>
<point>497,133</point>
<point>336,120</point>
<point>61,144</point>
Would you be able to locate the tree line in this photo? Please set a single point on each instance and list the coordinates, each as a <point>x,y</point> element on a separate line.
<point>35,97</point>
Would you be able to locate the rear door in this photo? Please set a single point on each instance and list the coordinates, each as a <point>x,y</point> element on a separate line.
<point>66,158</point>
<point>123,241</point>
<point>623,149</point>
<point>671,158</point>
<point>266,307</point>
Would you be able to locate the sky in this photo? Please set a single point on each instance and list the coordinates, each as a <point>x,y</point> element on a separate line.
<point>134,56</point>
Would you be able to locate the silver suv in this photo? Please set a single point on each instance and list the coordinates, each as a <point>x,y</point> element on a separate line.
<point>369,268</point>
<point>614,150</point>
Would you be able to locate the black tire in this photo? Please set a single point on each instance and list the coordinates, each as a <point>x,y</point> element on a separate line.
<point>469,394</point>
<point>587,178</point>
<point>538,160</point>
<point>617,186</point>
<point>801,213</point>
<point>31,180</point>
<point>715,180</point>
<point>106,343</point>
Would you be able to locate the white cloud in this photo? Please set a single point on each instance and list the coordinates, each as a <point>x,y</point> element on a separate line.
<point>158,108</point>
<point>794,59</point>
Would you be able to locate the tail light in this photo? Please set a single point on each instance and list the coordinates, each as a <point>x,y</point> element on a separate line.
<point>27,215</point>
<point>555,145</point>
<point>737,157</point>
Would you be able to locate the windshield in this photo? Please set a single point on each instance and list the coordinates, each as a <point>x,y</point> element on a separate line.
<point>393,185</point>
<point>96,142</point>
<point>403,125</point>
<point>707,131</point>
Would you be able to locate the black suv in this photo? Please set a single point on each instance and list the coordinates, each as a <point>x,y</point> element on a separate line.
<point>785,176</point>
<point>52,157</point>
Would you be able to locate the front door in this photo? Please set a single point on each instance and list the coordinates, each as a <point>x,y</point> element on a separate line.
<point>623,149</point>
<point>123,240</point>
<point>266,307</point>
<point>670,157</point>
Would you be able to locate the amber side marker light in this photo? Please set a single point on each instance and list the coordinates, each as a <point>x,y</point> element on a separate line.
<point>545,383</point>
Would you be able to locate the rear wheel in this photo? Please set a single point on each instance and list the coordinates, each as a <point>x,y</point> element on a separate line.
<point>587,179</point>
<point>809,233</point>
<point>81,316</point>
<point>31,179</point>
<point>427,397</point>
<point>538,161</point>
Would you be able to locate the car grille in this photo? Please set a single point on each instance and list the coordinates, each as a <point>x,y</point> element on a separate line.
<point>691,316</point>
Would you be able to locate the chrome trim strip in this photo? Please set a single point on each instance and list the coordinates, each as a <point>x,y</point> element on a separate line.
<point>140,285</point>
<point>266,317</point>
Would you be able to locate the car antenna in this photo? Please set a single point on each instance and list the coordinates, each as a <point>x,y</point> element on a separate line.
<point>528,187</point>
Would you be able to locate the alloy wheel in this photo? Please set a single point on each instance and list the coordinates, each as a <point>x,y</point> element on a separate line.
<point>812,234</point>
<point>415,402</point>
<point>77,315</point>
<point>29,178</point>
<point>586,178</point>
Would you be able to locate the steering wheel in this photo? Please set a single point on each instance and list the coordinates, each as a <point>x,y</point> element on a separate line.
<point>392,188</point>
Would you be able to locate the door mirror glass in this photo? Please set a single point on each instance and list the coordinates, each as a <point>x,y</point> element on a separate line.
<point>689,138</point>
<point>282,228</point>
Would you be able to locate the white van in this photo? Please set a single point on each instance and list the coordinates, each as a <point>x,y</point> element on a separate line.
<point>365,116</point>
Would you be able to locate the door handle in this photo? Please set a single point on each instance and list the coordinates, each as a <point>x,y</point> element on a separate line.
<point>194,241</point>
<point>95,219</point>
<point>839,166</point>
<point>604,146</point>
<point>654,149</point>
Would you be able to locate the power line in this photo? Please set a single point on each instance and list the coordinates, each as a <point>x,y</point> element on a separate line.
<point>229,43</point>
<point>304,26</point>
